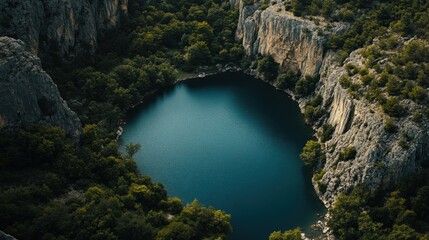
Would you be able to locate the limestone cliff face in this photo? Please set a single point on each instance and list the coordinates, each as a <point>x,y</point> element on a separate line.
<point>381,160</point>
<point>59,27</point>
<point>293,42</point>
<point>27,93</point>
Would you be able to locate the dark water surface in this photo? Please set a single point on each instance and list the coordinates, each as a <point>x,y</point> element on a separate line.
<point>232,142</point>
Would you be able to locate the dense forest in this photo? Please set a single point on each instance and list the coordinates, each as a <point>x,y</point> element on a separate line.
<point>53,188</point>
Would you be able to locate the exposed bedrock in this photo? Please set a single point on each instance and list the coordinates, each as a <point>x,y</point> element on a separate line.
<point>300,44</point>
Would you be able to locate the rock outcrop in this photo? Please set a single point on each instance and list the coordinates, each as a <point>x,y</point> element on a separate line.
<point>293,42</point>
<point>59,29</point>
<point>27,93</point>
<point>5,236</point>
<point>381,159</point>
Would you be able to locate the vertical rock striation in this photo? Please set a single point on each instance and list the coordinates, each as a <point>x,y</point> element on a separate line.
<point>27,93</point>
<point>298,43</point>
<point>382,159</point>
<point>293,42</point>
<point>59,28</point>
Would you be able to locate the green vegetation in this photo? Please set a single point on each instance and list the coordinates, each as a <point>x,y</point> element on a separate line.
<point>306,85</point>
<point>389,126</point>
<point>287,80</point>
<point>144,55</point>
<point>395,66</point>
<point>54,188</point>
<point>394,37</point>
<point>317,178</point>
<point>327,132</point>
<point>294,234</point>
<point>268,68</point>
<point>399,214</point>
<point>393,107</point>
<point>312,154</point>
<point>348,154</point>
<point>132,149</point>
<point>313,109</point>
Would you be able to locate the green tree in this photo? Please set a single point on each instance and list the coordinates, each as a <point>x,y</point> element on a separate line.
<point>132,148</point>
<point>346,213</point>
<point>268,68</point>
<point>294,234</point>
<point>287,80</point>
<point>402,232</point>
<point>348,154</point>
<point>306,85</point>
<point>393,107</point>
<point>312,153</point>
<point>134,227</point>
<point>197,54</point>
<point>327,132</point>
<point>389,126</point>
<point>176,231</point>
<point>394,87</point>
<point>369,229</point>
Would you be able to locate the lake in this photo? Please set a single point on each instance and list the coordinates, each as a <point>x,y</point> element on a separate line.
<point>233,142</point>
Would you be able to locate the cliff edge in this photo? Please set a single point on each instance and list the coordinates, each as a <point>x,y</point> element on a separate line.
<point>295,43</point>
<point>59,29</point>
<point>381,159</point>
<point>27,93</point>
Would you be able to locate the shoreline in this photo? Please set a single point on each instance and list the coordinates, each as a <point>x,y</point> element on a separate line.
<point>201,74</point>
<point>317,230</point>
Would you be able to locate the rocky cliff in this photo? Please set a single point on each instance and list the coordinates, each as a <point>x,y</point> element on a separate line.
<point>293,42</point>
<point>27,93</point>
<point>381,158</point>
<point>5,236</point>
<point>59,28</point>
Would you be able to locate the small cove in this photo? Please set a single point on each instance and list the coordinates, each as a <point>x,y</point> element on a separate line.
<point>232,142</point>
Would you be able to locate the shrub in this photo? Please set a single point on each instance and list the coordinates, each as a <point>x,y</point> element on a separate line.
<point>367,79</point>
<point>318,176</point>
<point>306,85</point>
<point>389,126</point>
<point>287,80</point>
<point>394,87</point>
<point>345,82</point>
<point>351,69</point>
<point>417,94</point>
<point>313,110</point>
<point>348,154</point>
<point>312,153</point>
<point>393,108</point>
<point>327,131</point>
<point>268,68</point>
<point>417,116</point>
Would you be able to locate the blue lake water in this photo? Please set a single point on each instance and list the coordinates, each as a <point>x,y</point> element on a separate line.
<point>232,142</point>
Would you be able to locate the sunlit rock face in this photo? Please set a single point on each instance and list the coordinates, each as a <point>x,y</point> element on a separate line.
<point>300,44</point>
<point>293,42</point>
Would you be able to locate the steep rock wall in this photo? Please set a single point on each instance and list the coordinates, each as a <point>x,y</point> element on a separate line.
<point>381,159</point>
<point>59,28</point>
<point>27,93</point>
<point>297,43</point>
<point>293,42</point>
